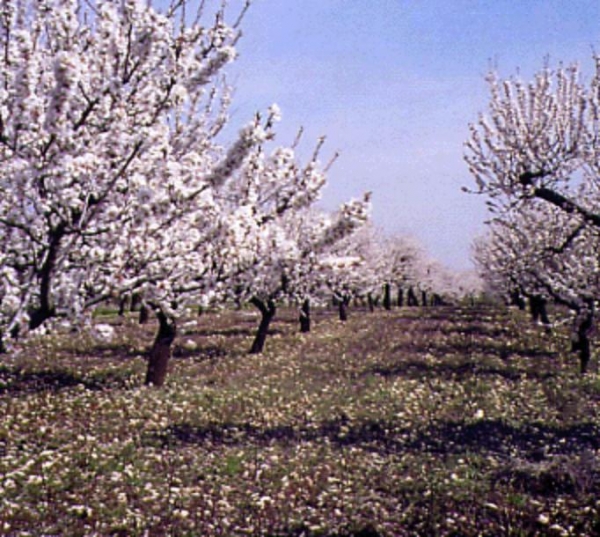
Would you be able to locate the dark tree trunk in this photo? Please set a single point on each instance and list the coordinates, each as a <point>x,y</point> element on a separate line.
<point>533,309</point>
<point>3,349</point>
<point>267,312</point>
<point>122,305</point>
<point>46,309</point>
<point>424,298</point>
<point>305,316</point>
<point>343,310</point>
<point>412,298</point>
<point>40,315</point>
<point>160,353</point>
<point>370,302</point>
<point>581,343</point>
<point>400,297</point>
<point>144,314</point>
<point>387,296</point>
<point>539,312</point>
<point>544,316</point>
<point>136,302</point>
<point>516,299</point>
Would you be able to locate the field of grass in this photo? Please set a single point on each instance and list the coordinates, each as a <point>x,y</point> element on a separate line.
<point>447,421</point>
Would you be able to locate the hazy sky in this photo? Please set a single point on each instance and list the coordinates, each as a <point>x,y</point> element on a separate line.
<point>393,84</point>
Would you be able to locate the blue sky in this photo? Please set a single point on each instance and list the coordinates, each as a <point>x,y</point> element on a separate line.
<point>393,85</point>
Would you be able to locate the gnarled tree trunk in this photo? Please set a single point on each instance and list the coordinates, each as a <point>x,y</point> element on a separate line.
<point>371,302</point>
<point>412,298</point>
<point>343,302</point>
<point>400,297</point>
<point>160,353</point>
<point>538,310</point>
<point>516,299</point>
<point>136,302</point>
<point>123,305</point>
<point>581,344</point>
<point>144,314</point>
<point>267,311</point>
<point>305,316</point>
<point>387,296</point>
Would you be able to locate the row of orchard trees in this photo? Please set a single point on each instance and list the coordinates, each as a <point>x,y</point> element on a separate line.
<point>536,156</point>
<point>394,270</point>
<point>114,182</point>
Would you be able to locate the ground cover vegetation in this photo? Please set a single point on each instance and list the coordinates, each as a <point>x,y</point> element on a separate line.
<point>455,420</point>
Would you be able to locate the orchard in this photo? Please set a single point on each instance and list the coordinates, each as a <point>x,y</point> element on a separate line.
<point>191,344</point>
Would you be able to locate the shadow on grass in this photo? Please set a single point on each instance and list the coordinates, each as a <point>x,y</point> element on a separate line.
<point>206,352</point>
<point>467,347</point>
<point>476,329</point>
<point>534,441</point>
<point>114,351</point>
<point>231,332</point>
<point>17,382</point>
<point>454,371</point>
<point>304,531</point>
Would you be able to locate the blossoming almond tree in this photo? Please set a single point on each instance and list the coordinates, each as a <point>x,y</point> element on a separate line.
<point>545,255</point>
<point>539,142</point>
<point>99,102</point>
<point>282,243</point>
<point>318,235</point>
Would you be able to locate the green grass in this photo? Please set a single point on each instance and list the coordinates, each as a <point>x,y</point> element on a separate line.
<point>450,421</point>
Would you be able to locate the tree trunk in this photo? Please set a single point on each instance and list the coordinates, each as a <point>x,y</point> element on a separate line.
<point>412,298</point>
<point>122,305</point>
<point>144,314</point>
<point>539,312</point>
<point>544,316</point>
<point>160,353</point>
<point>400,297</point>
<point>343,310</point>
<point>581,343</point>
<point>305,316</point>
<point>516,299</point>
<point>46,308</point>
<point>267,312</point>
<point>533,309</point>
<point>136,302</point>
<point>387,296</point>
<point>370,302</point>
<point>424,298</point>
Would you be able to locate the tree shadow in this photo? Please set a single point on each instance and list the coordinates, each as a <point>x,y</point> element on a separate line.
<point>448,371</point>
<point>19,382</point>
<point>203,353</point>
<point>467,347</point>
<point>476,329</point>
<point>232,332</point>
<point>304,531</point>
<point>532,441</point>
<point>226,332</point>
<point>114,351</point>
<point>455,371</point>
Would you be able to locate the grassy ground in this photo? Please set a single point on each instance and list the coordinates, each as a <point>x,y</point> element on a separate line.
<point>439,422</point>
